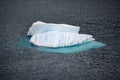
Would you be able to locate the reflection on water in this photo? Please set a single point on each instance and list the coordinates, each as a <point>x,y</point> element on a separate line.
<point>24,43</point>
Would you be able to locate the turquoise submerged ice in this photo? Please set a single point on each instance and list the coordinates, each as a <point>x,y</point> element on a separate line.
<point>41,27</point>
<point>24,43</point>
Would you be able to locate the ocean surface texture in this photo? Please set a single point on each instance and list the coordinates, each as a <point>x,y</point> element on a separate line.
<point>100,18</point>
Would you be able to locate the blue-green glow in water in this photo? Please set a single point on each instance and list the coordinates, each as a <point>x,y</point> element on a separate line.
<point>24,43</point>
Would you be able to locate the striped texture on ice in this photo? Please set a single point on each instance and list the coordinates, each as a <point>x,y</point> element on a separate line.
<point>59,39</point>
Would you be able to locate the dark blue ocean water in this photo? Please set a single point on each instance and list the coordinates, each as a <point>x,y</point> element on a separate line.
<point>24,43</point>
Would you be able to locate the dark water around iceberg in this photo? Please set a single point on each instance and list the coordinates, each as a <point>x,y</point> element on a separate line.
<point>24,43</point>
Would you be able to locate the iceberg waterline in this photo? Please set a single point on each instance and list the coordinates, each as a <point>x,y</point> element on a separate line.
<point>78,48</point>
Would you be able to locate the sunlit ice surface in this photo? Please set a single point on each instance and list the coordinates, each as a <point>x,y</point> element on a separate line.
<point>24,43</point>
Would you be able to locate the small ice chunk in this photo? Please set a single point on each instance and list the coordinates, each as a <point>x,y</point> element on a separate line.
<point>40,27</point>
<point>59,39</point>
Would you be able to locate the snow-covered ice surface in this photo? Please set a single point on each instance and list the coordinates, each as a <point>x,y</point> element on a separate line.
<point>41,27</point>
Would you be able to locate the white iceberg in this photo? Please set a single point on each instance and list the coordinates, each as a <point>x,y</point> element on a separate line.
<point>41,27</point>
<point>59,39</point>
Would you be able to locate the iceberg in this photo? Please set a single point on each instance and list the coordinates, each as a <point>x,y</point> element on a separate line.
<point>41,27</point>
<point>59,39</point>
